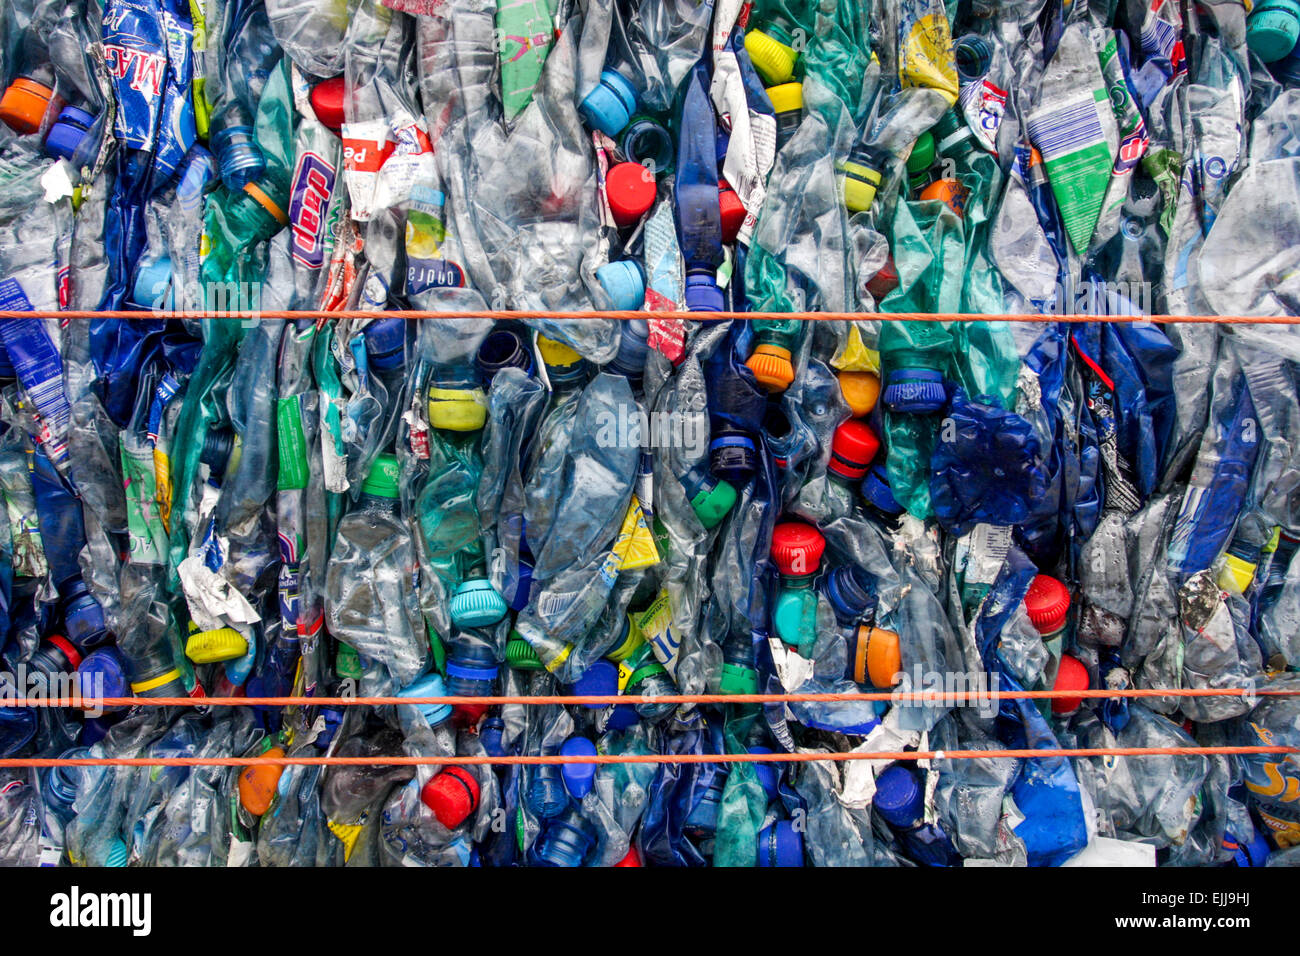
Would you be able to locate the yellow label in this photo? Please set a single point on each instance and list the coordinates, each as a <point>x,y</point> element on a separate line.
<point>162,486</point>
<point>656,625</point>
<point>347,834</point>
<point>624,675</point>
<point>1286,833</point>
<point>926,59</point>
<point>854,356</point>
<point>560,658</point>
<point>635,545</point>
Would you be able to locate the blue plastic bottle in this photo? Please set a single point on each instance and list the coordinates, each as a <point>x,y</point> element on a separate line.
<point>699,219</point>
<point>900,800</point>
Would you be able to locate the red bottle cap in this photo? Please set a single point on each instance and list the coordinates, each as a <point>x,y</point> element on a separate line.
<point>885,281</point>
<point>327,102</point>
<point>1047,603</point>
<point>852,450</point>
<point>797,548</point>
<point>1071,675</point>
<point>465,716</point>
<point>633,858</point>
<point>452,795</point>
<point>733,212</point>
<point>631,191</point>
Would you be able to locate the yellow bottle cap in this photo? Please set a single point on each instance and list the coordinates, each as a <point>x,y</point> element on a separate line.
<point>556,353</point>
<point>786,97</point>
<point>630,643</point>
<point>1236,574</point>
<point>860,391</point>
<point>210,647</point>
<point>457,409</point>
<point>772,58</point>
<point>860,183</point>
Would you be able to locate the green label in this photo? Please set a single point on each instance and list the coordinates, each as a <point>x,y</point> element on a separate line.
<point>147,538</point>
<point>293,444</point>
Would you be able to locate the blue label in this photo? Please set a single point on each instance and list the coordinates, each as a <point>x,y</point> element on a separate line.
<point>313,185</point>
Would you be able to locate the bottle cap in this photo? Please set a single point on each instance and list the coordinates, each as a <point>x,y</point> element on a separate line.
<point>347,662</point>
<point>327,102</point>
<point>557,353</point>
<point>914,391</point>
<point>1047,603</point>
<point>633,858</point>
<point>103,674</point>
<point>711,504</point>
<point>773,59</point>
<point>623,283</point>
<point>599,680</point>
<point>211,647</point>
<point>257,784</point>
<point>632,638</point>
<point>738,679</point>
<point>476,603</point>
<point>732,211</point>
<point>1070,675</point>
<point>922,154</point>
<point>1236,574</point>
<point>457,409</point>
<point>948,191</point>
<point>633,348</point>
<point>611,104</point>
<point>386,344</point>
<point>67,649</point>
<point>25,104</point>
<point>780,844</point>
<point>771,366</point>
<point>860,391</point>
<point>786,97</point>
<point>1272,29</point>
<point>860,184</point>
<point>767,774</point>
<point>578,776</point>
<point>797,548</point>
<point>117,854</point>
<point>452,795</point>
<point>631,190</point>
<point>429,685</point>
<point>732,455</point>
<point>899,797</point>
<point>703,294</point>
<point>66,135</point>
<point>382,479</point>
<point>852,450</point>
<point>152,286</point>
<point>490,735</point>
<point>850,591</point>
<point>520,654</point>
<point>973,56</point>
<point>875,657</point>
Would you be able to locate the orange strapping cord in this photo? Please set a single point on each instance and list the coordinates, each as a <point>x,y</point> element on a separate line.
<point>700,316</point>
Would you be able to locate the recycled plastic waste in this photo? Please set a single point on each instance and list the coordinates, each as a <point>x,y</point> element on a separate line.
<point>320,507</point>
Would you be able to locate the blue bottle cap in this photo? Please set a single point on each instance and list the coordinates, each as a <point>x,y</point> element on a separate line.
<point>386,344</point>
<point>490,734</point>
<point>766,772</point>
<point>623,283</point>
<point>601,678</point>
<point>899,796</point>
<point>476,603</point>
<point>780,844</point>
<point>67,133</point>
<point>152,288</point>
<point>83,619</point>
<point>103,674</point>
<point>430,685</point>
<point>915,391</point>
<point>611,104</point>
<point>622,717</point>
<point>502,349</point>
<point>875,488</point>
<point>566,841</point>
<point>849,590</point>
<point>703,294</point>
<point>578,777</point>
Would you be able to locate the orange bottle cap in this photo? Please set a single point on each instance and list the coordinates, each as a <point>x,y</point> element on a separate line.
<point>860,390</point>
<point>771,367</point>
<point>26,103</point>
<point>257,785</point>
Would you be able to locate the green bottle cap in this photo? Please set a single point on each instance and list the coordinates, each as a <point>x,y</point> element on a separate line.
<point>348,663</point>
<point>922,154</point>
<point>382,479</point>
<point>712,504</point>
<point>520,654</point>
<point>738,680</point>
